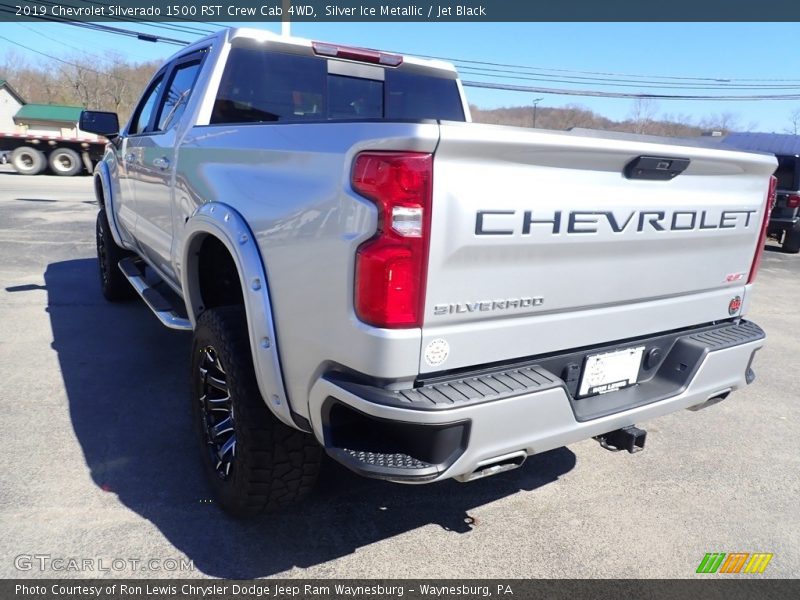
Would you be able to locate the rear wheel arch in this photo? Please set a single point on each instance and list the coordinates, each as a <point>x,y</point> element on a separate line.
<point>214,275</point>
<point>212,227</point>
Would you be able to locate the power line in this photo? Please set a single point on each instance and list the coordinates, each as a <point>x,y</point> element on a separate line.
<point>523,75</point>
<point>603,73</point>
<point>172,27</point>
<point>98,27</point>
<point>66,62</point>
<point>600,94</point>
<point>76,48</point>
<point>509,74</point>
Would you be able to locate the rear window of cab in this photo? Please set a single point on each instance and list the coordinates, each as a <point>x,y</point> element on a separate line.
<point>263,86</point>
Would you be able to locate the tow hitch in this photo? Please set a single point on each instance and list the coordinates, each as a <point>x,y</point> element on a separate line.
<point>628,438</point>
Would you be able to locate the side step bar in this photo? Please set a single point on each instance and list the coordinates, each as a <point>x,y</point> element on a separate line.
<point>160,306</point>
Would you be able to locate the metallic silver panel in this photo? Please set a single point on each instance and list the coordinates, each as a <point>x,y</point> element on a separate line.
<point>596,286</point>
<point>508,338</point>
<point>290,184</point>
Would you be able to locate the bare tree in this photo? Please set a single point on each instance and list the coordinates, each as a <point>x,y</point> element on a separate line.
<point>675,125</point>
<point>643,114</point>
<point>794,122</point>
<point>725,122</point>
<point>572,115</point>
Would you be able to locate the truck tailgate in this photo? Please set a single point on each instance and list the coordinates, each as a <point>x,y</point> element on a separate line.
<point>539,242</point>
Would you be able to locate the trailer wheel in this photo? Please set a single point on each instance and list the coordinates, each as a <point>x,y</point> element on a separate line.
<point>28,161</point>
<point>66,162</point>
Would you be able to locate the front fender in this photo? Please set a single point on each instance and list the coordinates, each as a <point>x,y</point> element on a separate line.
<point>228,226</point>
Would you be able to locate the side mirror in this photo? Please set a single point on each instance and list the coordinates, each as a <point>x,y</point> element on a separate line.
<point>99,122</point>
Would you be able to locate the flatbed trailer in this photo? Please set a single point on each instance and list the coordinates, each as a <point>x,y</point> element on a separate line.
<point>33,154</point>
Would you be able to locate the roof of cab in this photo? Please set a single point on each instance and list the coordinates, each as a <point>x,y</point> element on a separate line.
<point>262,35</point>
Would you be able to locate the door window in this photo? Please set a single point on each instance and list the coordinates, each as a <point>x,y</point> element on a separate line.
<point>144,111</point>
<point>177,94</point>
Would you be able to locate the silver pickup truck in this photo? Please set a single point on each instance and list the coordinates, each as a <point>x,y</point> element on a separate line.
<point>368,274</point>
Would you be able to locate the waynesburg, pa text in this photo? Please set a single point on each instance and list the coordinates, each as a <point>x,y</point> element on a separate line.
<point>254,590</point>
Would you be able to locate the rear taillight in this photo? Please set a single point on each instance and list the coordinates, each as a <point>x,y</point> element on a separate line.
<point>792,201</point>
<point>762,238</point>
<point>391,266</point>
<point>359,54</point>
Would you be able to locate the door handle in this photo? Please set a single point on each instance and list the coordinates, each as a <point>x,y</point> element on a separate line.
<point>161,163</point>
<point>130,157</point>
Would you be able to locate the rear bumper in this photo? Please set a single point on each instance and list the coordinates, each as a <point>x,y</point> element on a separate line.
<point>442,429</point>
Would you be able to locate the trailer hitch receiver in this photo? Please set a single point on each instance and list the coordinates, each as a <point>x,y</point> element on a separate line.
<point>628,438</point>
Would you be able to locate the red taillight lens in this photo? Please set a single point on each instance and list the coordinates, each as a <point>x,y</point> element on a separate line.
<point>762,238</point>
<point>792,201</point>
<point>360,54</point>
<point>391,267</point>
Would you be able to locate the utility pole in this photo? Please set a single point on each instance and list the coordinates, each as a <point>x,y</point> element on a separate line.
<point>535,103</point>
<point>285,23</point>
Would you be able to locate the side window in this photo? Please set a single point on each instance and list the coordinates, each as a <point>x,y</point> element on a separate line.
<point>177,94</point>
<point>145,109</point>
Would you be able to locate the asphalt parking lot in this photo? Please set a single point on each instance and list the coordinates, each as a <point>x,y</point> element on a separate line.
<point>101,462</point>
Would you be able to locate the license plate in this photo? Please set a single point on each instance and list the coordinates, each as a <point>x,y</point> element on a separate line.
<point>610,371</point>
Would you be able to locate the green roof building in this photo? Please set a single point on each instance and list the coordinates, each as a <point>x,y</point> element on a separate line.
<point>48,113</point>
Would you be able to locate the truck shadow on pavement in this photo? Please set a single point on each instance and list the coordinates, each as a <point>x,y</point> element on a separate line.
<point>127,377</point>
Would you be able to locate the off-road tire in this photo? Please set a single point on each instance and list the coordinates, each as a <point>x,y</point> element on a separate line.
<point>113,284</point>
<point>273,465</point>
<point>791,240</point>
<point>28,161</point>
<point>65,162</point>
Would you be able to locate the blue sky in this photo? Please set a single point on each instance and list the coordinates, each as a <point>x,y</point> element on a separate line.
<point>716,50</point>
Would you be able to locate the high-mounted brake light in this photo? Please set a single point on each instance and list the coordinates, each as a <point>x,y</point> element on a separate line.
<point>762,238</point>
<point>792,201</point>
<point>391,266</point>
<point>360,54</point>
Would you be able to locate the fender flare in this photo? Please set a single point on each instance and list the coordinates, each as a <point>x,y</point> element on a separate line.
<point>229,227</point>
<point>101,172</point>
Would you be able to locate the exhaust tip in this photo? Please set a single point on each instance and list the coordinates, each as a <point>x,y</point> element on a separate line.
<point>711,401</point>
<point>496,465</point>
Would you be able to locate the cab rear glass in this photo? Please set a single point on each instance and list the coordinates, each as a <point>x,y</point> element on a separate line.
<point>261,86</point>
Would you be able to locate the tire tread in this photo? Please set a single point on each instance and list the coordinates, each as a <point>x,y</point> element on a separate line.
<point>276,464</point>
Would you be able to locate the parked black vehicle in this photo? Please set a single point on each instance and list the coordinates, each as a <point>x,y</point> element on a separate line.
<point>784,224</point>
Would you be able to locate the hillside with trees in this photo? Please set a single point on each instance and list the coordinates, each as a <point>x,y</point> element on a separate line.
<point>642,118</point>
<point>114,84</point>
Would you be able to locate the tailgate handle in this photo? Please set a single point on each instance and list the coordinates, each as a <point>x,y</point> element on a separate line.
<point>655,168</point>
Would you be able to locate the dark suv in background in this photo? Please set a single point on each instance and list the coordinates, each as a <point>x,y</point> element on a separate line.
<point>784,224</point>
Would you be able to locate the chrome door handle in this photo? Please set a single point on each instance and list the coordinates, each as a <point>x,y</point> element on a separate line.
<point>161,163</point>
<point>130,157</point>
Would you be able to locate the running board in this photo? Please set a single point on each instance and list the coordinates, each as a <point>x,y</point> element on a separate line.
<point>161,307</point>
